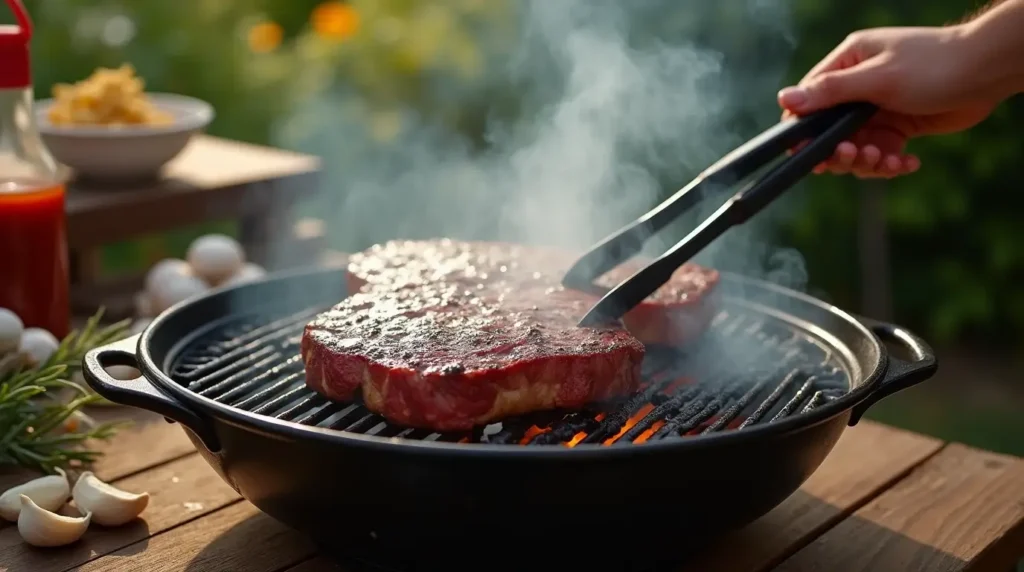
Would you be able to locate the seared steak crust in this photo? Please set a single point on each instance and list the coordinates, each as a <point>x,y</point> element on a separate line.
<point>446,335</point>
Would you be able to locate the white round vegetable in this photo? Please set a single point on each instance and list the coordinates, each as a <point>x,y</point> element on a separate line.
<point>173,290</point>
<point>166,269</point>
<point>10,331</point>
<point>37,345</point>
<point>215,257</point>
<point>247,273</point>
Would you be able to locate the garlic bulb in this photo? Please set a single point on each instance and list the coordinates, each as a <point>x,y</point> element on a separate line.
<point>163,271</point>
<point>109,506</point>
<point>37,345</point>
<point>215,257</point>
<point>49,492</point>
<point>11,328</point>
<point>175,289</point>
<point>40,527</point>
<point>247,273</point>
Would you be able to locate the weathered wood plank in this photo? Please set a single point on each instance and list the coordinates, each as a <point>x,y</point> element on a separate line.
<point>180,491</point>
<point>238,537</point>
<point>867,459</point>
<point>962,510</point>
<point>149,441</point>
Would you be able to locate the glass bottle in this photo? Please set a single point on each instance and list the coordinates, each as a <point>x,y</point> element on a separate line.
<point>33,236</point>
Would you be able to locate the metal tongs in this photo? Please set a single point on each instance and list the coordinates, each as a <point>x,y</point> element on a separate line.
<point>820,132</point>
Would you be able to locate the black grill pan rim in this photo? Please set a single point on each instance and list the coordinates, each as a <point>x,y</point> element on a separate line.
<point>870,363</point>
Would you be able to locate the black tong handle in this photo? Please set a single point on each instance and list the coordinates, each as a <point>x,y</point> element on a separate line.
<point>823,131</point>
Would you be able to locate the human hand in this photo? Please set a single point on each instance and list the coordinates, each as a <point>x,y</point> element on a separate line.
<point>920,78</point>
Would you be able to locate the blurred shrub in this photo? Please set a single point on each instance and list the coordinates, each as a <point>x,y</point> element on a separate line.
<point>957,245</point>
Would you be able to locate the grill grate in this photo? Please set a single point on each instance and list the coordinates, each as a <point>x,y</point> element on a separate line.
<point>746,370</point>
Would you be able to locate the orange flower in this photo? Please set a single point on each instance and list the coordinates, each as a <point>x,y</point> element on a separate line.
<point>335,20</point>
<point>265,37</point>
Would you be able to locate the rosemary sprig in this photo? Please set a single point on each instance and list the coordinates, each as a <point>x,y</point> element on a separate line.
<point>38,429</point>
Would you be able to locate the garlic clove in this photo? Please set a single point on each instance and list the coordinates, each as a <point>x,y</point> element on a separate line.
<point>109,506</point>
<point>43,528</point>
<point>49,493</point>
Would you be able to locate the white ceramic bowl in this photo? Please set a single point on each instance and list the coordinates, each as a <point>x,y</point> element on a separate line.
<point>125,152</point>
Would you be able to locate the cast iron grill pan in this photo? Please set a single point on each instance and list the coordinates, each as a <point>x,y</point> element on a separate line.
<point>728,427</point>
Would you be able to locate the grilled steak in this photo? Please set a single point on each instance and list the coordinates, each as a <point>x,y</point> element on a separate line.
<point>446,335</point>
<point>678,311</point>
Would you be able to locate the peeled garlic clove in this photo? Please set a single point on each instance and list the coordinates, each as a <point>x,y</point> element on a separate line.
<point>44,528</point>
<point>49,493</point>
<point>109,506</point>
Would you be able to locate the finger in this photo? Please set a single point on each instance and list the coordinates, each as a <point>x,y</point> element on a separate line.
<point>844,157</point>
<point>842,56</point>
<point>911,164</point>
<point>833,164</point>
<point>890,166</point>
<point>862,82</point>
<point>868,157</point>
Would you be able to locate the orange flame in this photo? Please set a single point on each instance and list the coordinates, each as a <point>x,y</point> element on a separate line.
<point>633,420</point>
<point>532,432</point>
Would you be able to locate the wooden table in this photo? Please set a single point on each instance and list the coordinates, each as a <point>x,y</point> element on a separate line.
<point>213,179</point>
<point>885,500</point>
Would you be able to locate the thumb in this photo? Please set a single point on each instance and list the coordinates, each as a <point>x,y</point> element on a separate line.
<point>861,82</point>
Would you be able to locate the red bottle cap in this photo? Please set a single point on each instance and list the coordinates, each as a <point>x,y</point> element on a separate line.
<point>14,61</point>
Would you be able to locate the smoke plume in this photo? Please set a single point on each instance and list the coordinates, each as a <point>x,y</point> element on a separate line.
<point>619,103</point>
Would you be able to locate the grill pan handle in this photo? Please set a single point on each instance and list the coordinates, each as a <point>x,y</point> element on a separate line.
<point>140,392</point>
<point>899,374</point>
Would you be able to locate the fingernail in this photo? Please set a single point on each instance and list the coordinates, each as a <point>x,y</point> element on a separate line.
<point>793,97</point>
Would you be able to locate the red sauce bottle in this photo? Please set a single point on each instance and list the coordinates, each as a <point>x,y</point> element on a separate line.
<point>33,237</point>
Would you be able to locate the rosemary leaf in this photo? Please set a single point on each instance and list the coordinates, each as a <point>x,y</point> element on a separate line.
<point>36,428</point>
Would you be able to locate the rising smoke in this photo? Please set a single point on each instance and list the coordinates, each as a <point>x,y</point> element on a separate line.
<point>624,101</point>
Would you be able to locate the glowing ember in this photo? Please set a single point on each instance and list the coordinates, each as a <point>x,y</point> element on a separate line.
<point>650,432</point>
<point>631,422</point>
<point>575,439</point>
<point>532,432</point>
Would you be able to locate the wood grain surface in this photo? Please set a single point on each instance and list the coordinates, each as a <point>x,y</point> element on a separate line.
<point>864,462</point>
<point>961,510</point>
<point>884,500</point>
